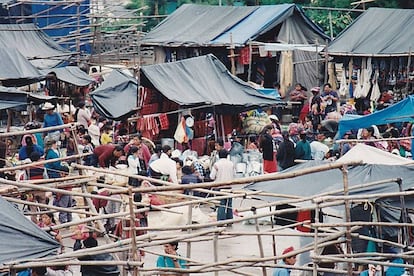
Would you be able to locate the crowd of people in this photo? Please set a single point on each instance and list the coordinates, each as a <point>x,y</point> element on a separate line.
<point>106,144</point>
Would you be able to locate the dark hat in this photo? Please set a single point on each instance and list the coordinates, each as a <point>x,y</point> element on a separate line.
<point>90,242</point>
<point>316,89</point>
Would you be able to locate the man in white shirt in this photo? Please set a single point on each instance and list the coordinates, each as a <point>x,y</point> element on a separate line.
<point>318,148</point>
<point>164,166</point>
<point>83,116</point>
<point>223,170</point>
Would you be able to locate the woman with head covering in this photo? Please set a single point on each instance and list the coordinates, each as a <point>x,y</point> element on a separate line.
<point>29,148</point>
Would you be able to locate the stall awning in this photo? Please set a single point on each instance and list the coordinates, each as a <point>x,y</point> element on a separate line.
<point>16,70</point>
<point>202,81</point>
<point>377,32</point>
<point>71,74</point>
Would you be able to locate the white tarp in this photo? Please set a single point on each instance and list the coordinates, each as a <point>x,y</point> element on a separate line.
<point>373,155</point>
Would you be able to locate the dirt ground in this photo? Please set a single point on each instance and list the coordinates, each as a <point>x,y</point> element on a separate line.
<point>235,247</point>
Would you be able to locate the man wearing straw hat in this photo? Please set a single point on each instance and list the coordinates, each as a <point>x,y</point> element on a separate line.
<point>52,119</point>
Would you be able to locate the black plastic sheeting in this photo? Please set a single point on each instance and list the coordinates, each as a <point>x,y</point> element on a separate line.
<point>116,98</point>
<point>20,238</point>
<point>202,81</point>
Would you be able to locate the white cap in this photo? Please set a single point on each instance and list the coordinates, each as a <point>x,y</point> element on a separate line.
<point>175,153</point>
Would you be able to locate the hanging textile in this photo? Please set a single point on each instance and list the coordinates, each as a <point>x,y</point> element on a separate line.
<point>358,88</point>
<point>244,57</point>
<point>366,78</point>
<point>376,93</point>
<point>343,88</point>
<point>164,123</point>
<point>180,134</point>
<point>286,70</point>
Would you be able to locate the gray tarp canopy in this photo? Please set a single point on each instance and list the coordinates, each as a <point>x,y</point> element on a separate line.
<point>11,97</point>
<point>116,97</point>
<point>202,25</point>
<point>332,180</point>
<point>377,32</point>
<point>71,74</point>
<point>34,44</point>
<point>202,81</point>
<point>20,238</point>
<point>16,69</point>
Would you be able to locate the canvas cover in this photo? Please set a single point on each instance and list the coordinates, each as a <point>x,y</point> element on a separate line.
<point>202,25</point>
<point>377,32</point>
<point>201,81</point>
<point>71,74</point>
<point>17,70</point>
<point>33,44</point>
<point>331,181</point>
<point>116,97</point>
<point>21,239</point>
<point>12,98</point>
<point>403,111</point>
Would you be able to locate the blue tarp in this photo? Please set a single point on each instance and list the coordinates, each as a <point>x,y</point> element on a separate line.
<point>66,16</point>
<point>402,111</point>
<point>269,92</point>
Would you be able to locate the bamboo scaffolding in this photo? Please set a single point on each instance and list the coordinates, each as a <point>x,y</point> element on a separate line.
<point>212,231</point>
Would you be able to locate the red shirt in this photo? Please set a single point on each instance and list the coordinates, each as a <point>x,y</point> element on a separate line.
<point>105,155</point>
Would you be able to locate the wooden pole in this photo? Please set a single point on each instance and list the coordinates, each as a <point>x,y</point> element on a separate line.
<point>189,222</point>
<point>315,242</point>
<point>232,56</point>
<point>246,180</point>
<point>249,72</point>
<point>40,163</point>
<point>134,249</point>
<point>215,247</point>
<point>259,240</point>
<point>37,130</point>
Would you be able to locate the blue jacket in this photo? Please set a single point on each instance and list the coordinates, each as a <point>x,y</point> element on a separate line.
<point>54,168</point>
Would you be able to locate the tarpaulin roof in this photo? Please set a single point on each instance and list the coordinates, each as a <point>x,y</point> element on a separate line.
<point>332,181</point>
<point>71,74</point>
<point>20,238</point>
<point>377,32</point>
<point>402,111</point>
<point>11,97</point>
<point>16,69</point>
<point>116,97</point>
<point>33,44</point>
<point>195,25</point>
<point>203,80</point>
